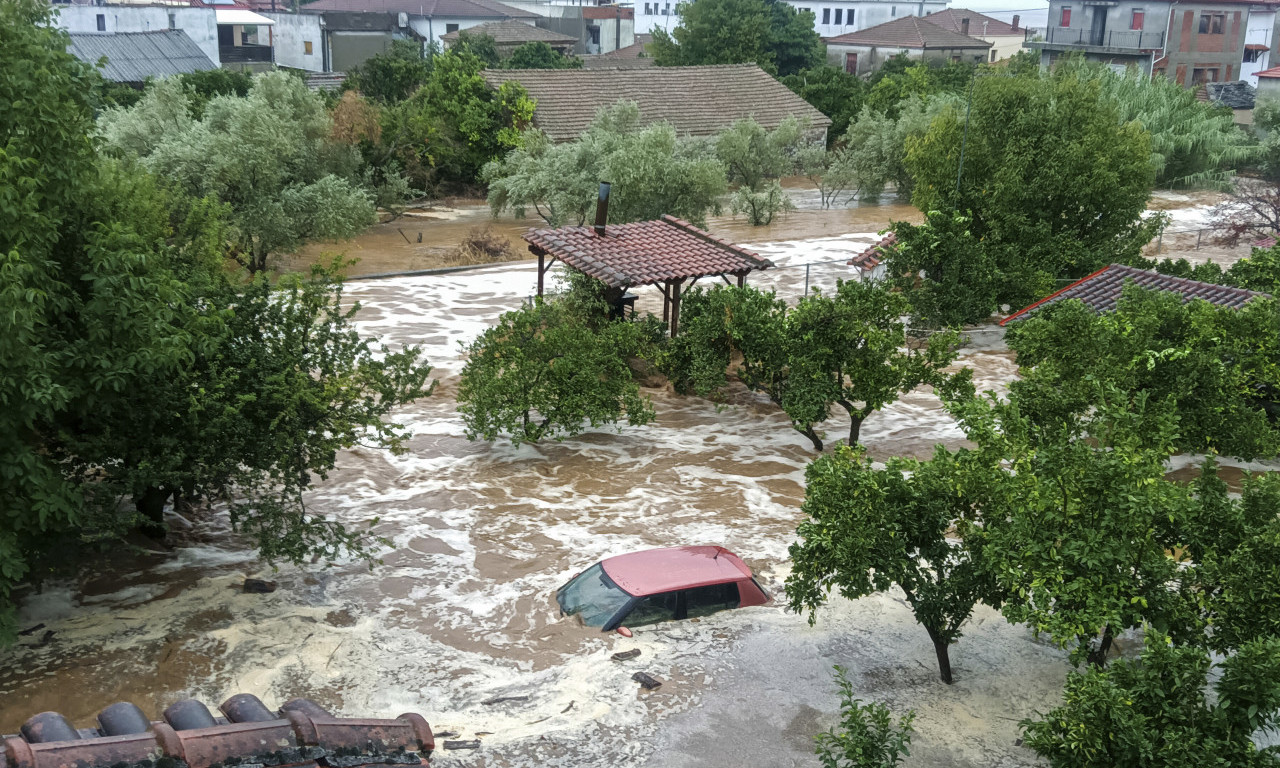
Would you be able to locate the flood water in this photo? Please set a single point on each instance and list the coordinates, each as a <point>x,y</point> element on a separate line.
<point>461,611</point>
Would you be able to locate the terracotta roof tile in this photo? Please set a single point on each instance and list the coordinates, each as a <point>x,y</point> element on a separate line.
<point>1102,290</point>
<point>697,101</point>
<point>951,18</point>
<point>871,258</point>
<point>645,252</point>
<point>908,32</point>
<point>463,9</point>
<point>511,33</point>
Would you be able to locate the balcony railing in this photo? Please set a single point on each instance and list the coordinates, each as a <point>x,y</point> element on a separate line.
<point>244,53</point>
<point>1125,40</point>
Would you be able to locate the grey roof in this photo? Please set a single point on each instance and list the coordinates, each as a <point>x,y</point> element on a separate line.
<point>461,9</point>
<point>132,57</point>
<point>1237,95</point>
<point>697,101</point>
<point>1101,290</point>
<point>511,33</point>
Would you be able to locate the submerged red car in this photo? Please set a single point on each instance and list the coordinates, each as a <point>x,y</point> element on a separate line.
<point>660,585</point>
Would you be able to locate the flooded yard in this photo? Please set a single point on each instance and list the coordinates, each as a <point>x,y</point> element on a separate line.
<point>460,612</point>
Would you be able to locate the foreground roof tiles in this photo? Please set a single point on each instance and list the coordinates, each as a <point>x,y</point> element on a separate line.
<point>463,9</point>
<point>1101,290</point>
<point>697,101</point>
<point>299,735</point>
<point>512,33</point>
<point>132,57</point>
<point>908,32</point>
<point>644,252</point>
<point>871,257</point>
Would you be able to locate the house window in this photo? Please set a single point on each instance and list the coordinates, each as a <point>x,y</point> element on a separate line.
<point>849,19</point>
<point>851,63</point>
<point>1065,21</point>
<point>1206,75</point>
<point>306,47</point>
<point>173,20</point>
<point>893,10</point>
<point>666,9</point>
<point>826,15</point>
<point>993,56</point>
<point>1135,21</point>
<point>839,14</point>
<point>1252,56</point>
<point>1211,23</point>
<point>102,22</point>
<point>450,28</point>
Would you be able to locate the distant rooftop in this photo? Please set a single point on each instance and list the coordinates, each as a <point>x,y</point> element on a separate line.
<point>512,33</point>
<point>132,57</point>
<point>697,101</point>
<point>1101,290</point>
<point>979,24</point>
<point>909,32</point>
<point>462,9</point>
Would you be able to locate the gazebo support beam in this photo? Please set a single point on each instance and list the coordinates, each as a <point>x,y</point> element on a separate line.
<point>675,306</point>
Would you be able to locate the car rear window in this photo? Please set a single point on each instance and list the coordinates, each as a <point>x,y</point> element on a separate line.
<point>593,596</point>
<point>703,601</point>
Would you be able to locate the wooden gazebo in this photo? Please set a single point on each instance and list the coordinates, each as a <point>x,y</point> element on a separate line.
<point>670,253</point>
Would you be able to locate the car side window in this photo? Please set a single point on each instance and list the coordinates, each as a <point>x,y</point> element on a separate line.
<point>653,609</point>
<point>703,601</point>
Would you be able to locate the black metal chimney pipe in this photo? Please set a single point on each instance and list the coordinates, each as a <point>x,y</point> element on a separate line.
<point>602,208</point>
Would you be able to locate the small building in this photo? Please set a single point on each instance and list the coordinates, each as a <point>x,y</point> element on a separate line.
<point>245,38</point>
<point>510,35</point>
<point>1006,39</point>
<point>200,23</point>
<point>1238,96</point>
<point>1259,42</point>
<point>1268,83</point>
<point>919,39</point>
<point>696,101</point>
<point>1102,290</point>
<point>135,57</point>
<point>299,40</point>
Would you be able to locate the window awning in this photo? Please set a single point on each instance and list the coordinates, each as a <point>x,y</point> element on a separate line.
<point>1256,47</point>
<point>241,16</point>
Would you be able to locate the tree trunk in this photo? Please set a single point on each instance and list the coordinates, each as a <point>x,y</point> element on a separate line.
<point>813,437</point>
<point>942,649</point>
<point>151,506</point>
<point>855,428</point>
<point>1098,656</point>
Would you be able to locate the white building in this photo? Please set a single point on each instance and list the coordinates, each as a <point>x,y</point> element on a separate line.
<point>831,17</point>
<point>1259,34</point>
<point>200,24</point>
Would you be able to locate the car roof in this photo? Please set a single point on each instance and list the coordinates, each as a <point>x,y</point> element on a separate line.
<point>663,570</point>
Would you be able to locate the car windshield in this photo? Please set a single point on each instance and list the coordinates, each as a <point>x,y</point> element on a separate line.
<point>593,596</point>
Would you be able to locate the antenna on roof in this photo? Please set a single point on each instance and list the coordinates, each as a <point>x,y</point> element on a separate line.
<point>602,208</point>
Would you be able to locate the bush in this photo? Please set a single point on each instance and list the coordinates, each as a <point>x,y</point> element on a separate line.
<point>867,737</point>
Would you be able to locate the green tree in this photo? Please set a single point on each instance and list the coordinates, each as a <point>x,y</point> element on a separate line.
<point>539,55</point>
<point>947,275</point>
<point>544,371</point>
<point>455,123</point>
<point>848,349</point>
<point>867,737</point>
<point>1055,183</point>
<point>267,155</point>
<point>867,530</point>
<point>833,92</point>
<point>755,159</point>
<point>831,171</point>
<point>1260,271</point>
<point>876,144</point>
<point>479,45</point>
<point>769,33</point>
<point>203,87</point>
<point>653,172</point>
<point>1218,368</point>
<point>391,76</point>
<point>1155,713</point>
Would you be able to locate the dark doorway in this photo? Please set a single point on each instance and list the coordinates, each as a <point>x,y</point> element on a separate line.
<point>1099,27</point>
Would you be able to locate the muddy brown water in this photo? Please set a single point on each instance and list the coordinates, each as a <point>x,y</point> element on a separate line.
<point>460,611</point>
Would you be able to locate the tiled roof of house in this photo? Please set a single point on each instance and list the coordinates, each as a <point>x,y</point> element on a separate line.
<point>511,33</point>
<point>1273,72</point>
<point>697,101</point>
<point>607,12</point>
<point>645,252</point>
<point>298,735</point>
<point>871,258</point>
<point>952,19</point>
<point>908,32</point>
<point>462,9</point>
<point>1101,290</point>
<point>132,57</point>
<point>1237,94</point>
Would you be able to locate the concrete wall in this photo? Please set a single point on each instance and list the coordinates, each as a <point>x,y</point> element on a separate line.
<point>661,14</point>
<point>436,28</point>
<point>200,24</point>
<point>1003,46</point>
<point>1217,55</point>
<point>290,36</point>
<point>614,33</point>
<point>350,48</point>
<point>871,57</point>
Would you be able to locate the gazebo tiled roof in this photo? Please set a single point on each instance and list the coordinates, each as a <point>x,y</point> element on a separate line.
<point>1101,290</point>
<point>645,252</point>
<point>872,256</point>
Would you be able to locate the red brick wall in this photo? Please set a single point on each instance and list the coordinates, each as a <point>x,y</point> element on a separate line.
<point>1184,40</point>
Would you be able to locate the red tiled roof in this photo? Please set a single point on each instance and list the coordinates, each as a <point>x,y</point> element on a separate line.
<point>511,33</point>
<point>1255,47</point>
<point>608,12</point>
<point>644,252</point>
<point>951,18</point>
<point>463,9</point>
<point>1273,72</point>
<point>871,258</point>
<point>1101,290</point>
<point>908,32</point>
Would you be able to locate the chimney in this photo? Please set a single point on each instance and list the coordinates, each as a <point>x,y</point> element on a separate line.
<point>602,208</point>
<point>964,26</point>
<point>1015,21</point>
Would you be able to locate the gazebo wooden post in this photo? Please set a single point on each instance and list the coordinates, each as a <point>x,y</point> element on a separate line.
<point>675,306</point>
<point>541,270</point>
<point>742,279</point>
<point>666,303</point>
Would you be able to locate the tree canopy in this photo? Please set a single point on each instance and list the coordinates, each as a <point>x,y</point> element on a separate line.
<point>392,75</point>
<point>539,55</point>
<point>770,33</point>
